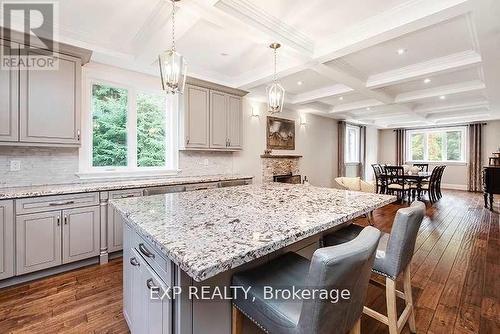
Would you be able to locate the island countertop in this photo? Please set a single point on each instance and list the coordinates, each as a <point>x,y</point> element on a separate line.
<point>208,232</point>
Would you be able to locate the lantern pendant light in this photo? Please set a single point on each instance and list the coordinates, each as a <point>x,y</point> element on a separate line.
<point>275,92</point>
<point>173,66</point>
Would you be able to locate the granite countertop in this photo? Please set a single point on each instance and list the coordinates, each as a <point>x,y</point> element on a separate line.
<point>208,232</point>
<point>72,188</point>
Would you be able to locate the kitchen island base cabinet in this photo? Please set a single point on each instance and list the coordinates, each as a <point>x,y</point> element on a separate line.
<point>6,239</point>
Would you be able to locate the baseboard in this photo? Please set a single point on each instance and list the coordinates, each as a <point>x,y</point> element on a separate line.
<point>454,186</point>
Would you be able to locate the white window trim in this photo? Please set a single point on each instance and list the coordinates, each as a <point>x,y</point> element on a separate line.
<point>87,171</point>
<point>426,132</point>
<point>357,145</point>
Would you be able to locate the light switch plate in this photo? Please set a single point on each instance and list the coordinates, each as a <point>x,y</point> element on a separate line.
<point>15,165</point>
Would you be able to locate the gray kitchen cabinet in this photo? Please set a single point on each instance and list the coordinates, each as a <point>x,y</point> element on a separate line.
<point>218,119</point>
<point>43,118</point>
<point>234,120</point>
<point>9,92</point>
<point>80,233</point>
<point>196,117</point>
<point>6,239</point>
<point>115,222</point>
<point>38,241</point>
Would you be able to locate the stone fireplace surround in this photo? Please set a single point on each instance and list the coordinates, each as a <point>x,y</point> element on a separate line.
<point>273,164</point>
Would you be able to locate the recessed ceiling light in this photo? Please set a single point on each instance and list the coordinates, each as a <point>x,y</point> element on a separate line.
<point>442,97</point>
<point>426,81</point>
<point>299,83</point>
<point>401,51</point>
<point>368,108</point>
<point>341,98</point>
<point>223,54</point>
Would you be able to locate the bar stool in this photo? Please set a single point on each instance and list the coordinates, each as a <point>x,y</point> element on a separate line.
<point>346,266</point>
<point>394,253</point>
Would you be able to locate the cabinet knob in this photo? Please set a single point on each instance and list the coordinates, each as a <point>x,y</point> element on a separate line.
<point>58,221</point>
<point>65,220</point>
<point>150,285</point>
<point>134,262</point>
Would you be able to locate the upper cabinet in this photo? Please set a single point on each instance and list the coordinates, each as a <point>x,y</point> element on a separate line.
<point>41,107</point>
<point>212,117</point>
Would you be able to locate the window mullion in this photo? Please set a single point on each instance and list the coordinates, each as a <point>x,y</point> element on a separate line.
<point>132,130</point>
<point>444,149</point>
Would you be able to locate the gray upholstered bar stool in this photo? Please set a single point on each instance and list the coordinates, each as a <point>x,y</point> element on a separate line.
<point>393,257</point>
<point>347,266</point>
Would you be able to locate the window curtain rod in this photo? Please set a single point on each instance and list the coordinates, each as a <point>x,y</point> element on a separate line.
<point>440,127</point>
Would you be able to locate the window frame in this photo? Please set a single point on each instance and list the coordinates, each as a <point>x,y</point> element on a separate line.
<point>357,145</point>
<point>87,170</point>
<point>444,153</point>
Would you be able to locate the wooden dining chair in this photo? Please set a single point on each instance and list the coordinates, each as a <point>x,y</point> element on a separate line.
<point>379,181</point>
<point>395,182</point>
<point>430,187</point>
<point>438,183</point>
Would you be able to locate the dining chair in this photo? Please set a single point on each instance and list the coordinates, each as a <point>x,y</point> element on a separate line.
<point>394,254</point>
<point>438,185</point>
<point>422,167</point>
<point>395,182</point>
<point>430,187</point>
<point>379,181</point>
<point>345,266</point>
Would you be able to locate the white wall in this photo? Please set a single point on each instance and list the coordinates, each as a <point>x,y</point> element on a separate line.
<point>316,141</point>
<point>372,138</point>
<point>455,175</point>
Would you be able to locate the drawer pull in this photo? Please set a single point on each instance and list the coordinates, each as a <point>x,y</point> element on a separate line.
<point>128,196</point>
<point>134,262</point>
<point>58,220</point>
<point>150,285</point>
<point>145,251</point>
<point>61,203</point>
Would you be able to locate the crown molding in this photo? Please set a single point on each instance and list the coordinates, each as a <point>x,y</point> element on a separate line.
<point>448,63</point>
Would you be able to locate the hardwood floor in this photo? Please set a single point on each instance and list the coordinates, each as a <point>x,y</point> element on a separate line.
<point>455,278</point>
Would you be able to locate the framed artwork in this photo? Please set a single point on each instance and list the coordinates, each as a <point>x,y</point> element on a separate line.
<point>280,134</point>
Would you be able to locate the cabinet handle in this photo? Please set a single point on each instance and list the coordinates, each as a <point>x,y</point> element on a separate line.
<point>187,140</point>
<point>58,221</point>
<point>150,285</point>
<point>134,262</point>
<point>145,251</point>
<point>128,196</point>
<point>78,135</point>
<point>65,220</point>
<point>61,203</point>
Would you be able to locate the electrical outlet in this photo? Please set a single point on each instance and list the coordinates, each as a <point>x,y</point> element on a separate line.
<point>15,165</point>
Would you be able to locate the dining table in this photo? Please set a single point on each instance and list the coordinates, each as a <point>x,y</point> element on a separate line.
<point>416,178</point>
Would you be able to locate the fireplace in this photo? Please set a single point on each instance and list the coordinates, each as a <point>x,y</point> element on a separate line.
<point>288,178</point>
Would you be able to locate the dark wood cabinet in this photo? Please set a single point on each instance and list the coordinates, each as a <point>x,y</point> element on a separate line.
<point>491,184</point>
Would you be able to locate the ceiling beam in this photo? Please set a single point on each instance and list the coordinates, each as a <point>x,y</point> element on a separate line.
<point>435,66</point>
<point>356,106</point>
<point>432,109</point>
<point>321,93</point>
<point>457,88</point>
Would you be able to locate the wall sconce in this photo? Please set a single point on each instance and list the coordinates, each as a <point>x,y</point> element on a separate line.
<point>255,112</point>
<point>303,120</point>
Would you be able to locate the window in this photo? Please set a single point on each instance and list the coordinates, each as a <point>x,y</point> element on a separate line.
<point>436,145</point>
<point>130,131</point>
<point>352,142</point>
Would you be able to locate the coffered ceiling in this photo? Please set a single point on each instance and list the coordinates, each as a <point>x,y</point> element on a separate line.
<point>390,63</point>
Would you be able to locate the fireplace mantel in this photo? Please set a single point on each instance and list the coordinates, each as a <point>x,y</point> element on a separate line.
<point>277,156</point>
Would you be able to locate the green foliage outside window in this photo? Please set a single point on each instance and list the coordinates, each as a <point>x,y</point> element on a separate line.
<point>417,144</point>
<point>453,140</point>
<point>151,130</point>
<point>435,146</point>
<point>109,118</point>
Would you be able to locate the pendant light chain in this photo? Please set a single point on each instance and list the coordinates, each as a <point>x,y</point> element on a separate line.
<point>275,61</point>
<point>173,25</point>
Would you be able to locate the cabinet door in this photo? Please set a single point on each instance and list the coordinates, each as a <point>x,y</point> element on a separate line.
<point>38,241</point>
<point>80,233</point>
<point>9,111</point>
<point>196,117</point>
<point>6,239</point>
<point>234,121</point>
<point>50,103</point>
<point>115,223</point>
<point>218,120</point>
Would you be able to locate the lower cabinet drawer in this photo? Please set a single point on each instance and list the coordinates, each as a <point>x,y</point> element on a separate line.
<point>59,202</point>
<point>157,261</point>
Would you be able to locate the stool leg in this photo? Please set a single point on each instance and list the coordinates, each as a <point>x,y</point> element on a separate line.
<point>357,327</point>
<point>237,321</point>
<point>409,299</point>
<point>392,314</point>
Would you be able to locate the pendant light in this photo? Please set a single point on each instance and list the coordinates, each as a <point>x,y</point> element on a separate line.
<point>275,92</point>
<point>173,67</point>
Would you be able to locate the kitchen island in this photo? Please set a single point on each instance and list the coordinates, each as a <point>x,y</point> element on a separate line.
<point>201,238</point>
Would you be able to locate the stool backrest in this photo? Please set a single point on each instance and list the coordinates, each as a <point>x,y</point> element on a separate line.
<point>346,266</point>
<point>401,243</point>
